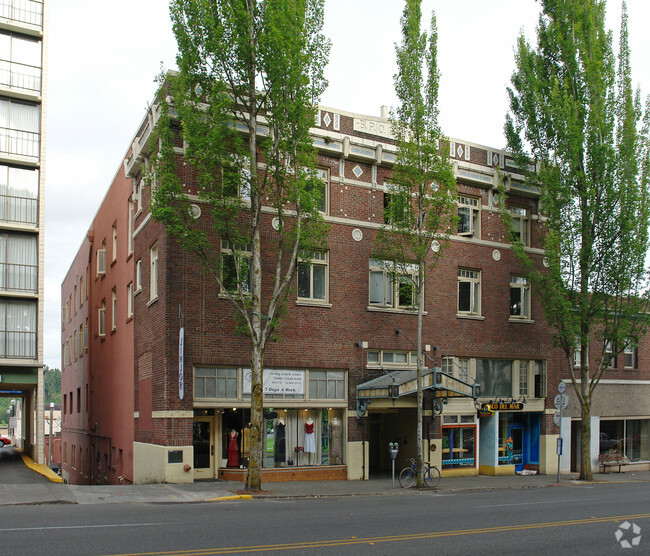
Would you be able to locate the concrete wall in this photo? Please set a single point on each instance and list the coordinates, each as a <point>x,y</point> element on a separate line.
<point>150,464</point>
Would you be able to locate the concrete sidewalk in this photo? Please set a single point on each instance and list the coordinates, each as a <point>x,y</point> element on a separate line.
<point>209,491</point>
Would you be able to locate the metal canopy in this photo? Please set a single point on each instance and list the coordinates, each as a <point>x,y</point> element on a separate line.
<point>395,384</point>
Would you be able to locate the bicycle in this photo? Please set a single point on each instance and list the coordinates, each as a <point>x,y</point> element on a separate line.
<point>430,475</point>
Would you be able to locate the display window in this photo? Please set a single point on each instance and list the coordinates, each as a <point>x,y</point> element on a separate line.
<point>293,437</point>
<point>458,446</point>
<point>628,437</point>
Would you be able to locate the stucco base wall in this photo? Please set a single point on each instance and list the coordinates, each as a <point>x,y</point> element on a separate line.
<point>547,455</point>
<point>357,454</point>
<point>150,464</point>
<point>496,471</point>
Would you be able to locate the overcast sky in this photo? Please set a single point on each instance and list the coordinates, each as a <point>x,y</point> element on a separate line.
<point>103,58</point>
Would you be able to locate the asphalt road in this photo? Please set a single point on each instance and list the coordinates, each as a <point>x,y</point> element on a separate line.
<point>567,519</point>
<point>14,472</point>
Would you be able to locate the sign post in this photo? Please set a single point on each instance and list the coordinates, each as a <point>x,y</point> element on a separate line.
<point>560,402</point>
<point>393,447</point>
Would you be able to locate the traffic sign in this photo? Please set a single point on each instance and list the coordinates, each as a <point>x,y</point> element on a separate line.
<point>556,418</point>
<point>561,401</point>
<point>561,387</point>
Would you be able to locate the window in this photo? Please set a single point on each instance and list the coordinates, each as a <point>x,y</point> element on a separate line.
<point>85,337</point>
<point>386,291</point>
<point>236,179</point>
<point>101,260</point>
<point>630,354</point>
<point>323,194</point>
<point>19,263</point>
<point>130,230</point>
<point>494,377</point>
<point>137,194</point>
<point>469,217</point>
<point>523,378</point>
<point>20,128</point>
<point>235,267</point>
<point>20,62</point>
<point>114,242</point>
<point>18,329</point>
<point>210,382</point>
<point>577,353</point>
<point>469,292</point>
<point>394,208</point>
<point>608,354</point>
<point>78,400</point>
<point>81,291</point>
<point>463,370</point>
<point>153,275</point>
<point>113,309</point>
<point>395,358</point>
<point>18,195</point>
<point>540,379</point>
<point>520,224</point>
<point>312,277</point>
<point>519,298</point>
<point>101,319</point>
<point>129,300</point>
<point>326,385</point>
<point>138,276</point>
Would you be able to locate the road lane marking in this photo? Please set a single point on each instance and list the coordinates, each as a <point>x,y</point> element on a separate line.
<point>53,528</point>
<point>407,537</point>
<point>537,503</point>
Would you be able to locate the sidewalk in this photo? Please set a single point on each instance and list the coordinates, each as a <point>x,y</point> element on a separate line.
<point>209,491</point>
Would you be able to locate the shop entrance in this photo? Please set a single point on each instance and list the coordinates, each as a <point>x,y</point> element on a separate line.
<point>203,449</point>
<point>516,433</point>
<point>391,425</point>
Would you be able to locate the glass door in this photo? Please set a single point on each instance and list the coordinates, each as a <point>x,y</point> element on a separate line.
<point>203,450</point>
<point>516,433</point>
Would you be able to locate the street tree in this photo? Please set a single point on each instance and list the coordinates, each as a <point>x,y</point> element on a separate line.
<point>575,127</point>
<point>241,104</point>
<point>421,204</point>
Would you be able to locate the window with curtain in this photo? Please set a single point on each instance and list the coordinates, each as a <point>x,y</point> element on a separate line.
<point>20,62</point>
<point>18,195</point>
<point>19,128</point>
<point>18,329</point>
<point>18,262</point>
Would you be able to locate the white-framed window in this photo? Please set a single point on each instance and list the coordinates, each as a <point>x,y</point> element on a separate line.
<point>630,354</point>
<point>519,298</point>
<point>236,179</point>
<point>577,353</point>
<point>393,204</point>
<point>469,216</point>
<point>129,300</point>
<point>235,267</point>
<point>608,354</point>
<point>469,292</point>
<point>462,365</point>
<point>153,273</point>
<point>523,378</point>
<point>82,292</point>
<point>326,385</point>
<point>520,224</point>
<point>138,276</point>
<point>386,291</point>
<point>101,261</point>
<point>114,235</point>
<point>383,357</point>
<point>130,229</point>
<point>215,382</point>
<point>540,379</point>
<point>313,277</point>
<point>86,335</point>
<point>137,194</point>
<point>101,320</point>
<point>458,367</point>
<point>323,200</point>
<point>113,309</point>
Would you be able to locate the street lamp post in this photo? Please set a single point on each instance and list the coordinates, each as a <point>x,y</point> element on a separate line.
<point>12,432</point>
<point>51,451</point>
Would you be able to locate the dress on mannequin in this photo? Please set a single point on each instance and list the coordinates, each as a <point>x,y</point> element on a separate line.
<point>310,437</point>
<point>233,449</point>
<point>280,443</point>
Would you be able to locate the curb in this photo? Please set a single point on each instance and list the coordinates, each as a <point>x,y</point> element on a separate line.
<point>233,497</point>
<point>41,469</point>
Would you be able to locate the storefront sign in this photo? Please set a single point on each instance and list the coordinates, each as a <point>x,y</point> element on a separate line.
<point>278,381</point>
<point>181,363</point>
<point>485,412</point>
<point>502,406</point>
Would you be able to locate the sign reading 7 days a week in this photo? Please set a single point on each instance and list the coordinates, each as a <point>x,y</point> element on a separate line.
<point>278,381</point>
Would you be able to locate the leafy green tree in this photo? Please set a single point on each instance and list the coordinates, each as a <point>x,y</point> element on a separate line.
<point>52,381</point>
<point>576,117</point>
<point>250,76</point>
<point>422,201</point>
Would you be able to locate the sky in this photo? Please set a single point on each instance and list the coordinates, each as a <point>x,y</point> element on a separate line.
<point>102,60</point>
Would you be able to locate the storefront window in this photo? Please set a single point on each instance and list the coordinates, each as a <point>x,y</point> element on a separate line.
<point>495,377</point>
<point>294,437</point>
<point>510,438</point>
<point>627,437</point>
<point>458,447</point>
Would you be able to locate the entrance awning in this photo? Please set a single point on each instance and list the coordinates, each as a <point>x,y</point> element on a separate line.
<point>395,384</point>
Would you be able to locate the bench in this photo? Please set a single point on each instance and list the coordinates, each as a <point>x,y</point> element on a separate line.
<point>615,460</point>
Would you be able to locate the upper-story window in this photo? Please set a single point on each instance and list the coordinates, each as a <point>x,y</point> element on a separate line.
<point>520,224</point>
<point>20,62</point>
<point>393,285</point>
<point>24,11</point>
<point>20,127</point>
<point>380,358</point>
<point>630,354</point>
<point>322,203</point>
<point>19,263</point>
<point>236,179</point>
<point>469,216</point>
<point>114,231</point>
<point>18,195</point>
<point>153,273</point>
<point>312,277</point>
<point>519,298</point>
<point>469,292</point>
<point>235,267</point>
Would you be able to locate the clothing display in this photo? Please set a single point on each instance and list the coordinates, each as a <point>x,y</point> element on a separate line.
<point>335,441</point>
<point>233,449</point>
<point>310,437</point>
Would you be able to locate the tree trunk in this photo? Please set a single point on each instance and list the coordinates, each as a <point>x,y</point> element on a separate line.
<point>254,476</point>
<point>585,443</point>
<point>420,456</point>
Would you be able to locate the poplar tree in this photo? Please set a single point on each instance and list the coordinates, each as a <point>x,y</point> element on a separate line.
<point>241,107</point>
<point>421,207</point>
<point>575,118</point>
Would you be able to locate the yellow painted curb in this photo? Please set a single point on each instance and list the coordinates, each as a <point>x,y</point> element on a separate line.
<point>233,497</point>
<point>41,469</point>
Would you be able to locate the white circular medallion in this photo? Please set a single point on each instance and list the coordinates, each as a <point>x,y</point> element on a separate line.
<point>357,234</point>
<point>195,211</point>
<point>545,262</point>
<point>435,246</point>
<point>496,255</point>
<point>276,223</point>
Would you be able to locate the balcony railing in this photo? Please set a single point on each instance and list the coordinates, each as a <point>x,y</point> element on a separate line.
<point>23,11</point>
<point>20,76</point>
<point>18,345</point>
<point>18,210</point>
<point>20,143</point>
<point>18,277</point>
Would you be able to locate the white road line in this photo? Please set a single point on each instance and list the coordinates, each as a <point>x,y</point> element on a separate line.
<point>536,503</point>
<point>106,526</point>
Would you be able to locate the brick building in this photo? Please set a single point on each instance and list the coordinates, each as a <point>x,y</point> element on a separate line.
<point>345,339</point>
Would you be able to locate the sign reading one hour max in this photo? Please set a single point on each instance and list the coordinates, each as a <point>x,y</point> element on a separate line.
<point>502,406</point>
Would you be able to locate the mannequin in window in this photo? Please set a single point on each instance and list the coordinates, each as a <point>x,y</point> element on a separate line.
<point>310,438</point>
<point>233,449</point>
<point>280,442</point>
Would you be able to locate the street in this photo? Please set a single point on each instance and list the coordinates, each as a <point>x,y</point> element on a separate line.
<point>565,519</point>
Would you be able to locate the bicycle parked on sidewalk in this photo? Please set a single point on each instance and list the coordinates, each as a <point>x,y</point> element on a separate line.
<point>430,475</point>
